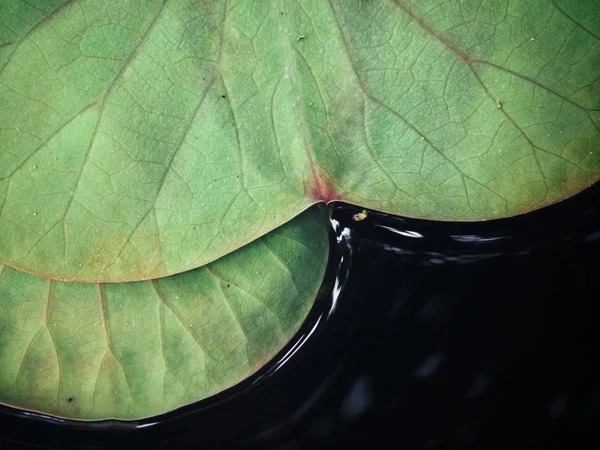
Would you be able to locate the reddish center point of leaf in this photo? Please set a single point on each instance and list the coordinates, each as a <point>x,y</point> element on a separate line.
<point>320,187</point>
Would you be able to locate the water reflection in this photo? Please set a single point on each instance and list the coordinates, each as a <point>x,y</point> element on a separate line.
<point>358,400</point>
<point>470,238</point>
<point>401,232</point>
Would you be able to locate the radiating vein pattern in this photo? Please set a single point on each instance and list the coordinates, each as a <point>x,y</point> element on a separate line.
<point>131,350</point>
<point>141,139</point>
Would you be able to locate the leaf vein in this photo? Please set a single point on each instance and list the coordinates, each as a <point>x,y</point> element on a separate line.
<point>109,347</point>
<point>127,61</point>
<point>181,322</point>
<point>186,130</point>
<point>230,308</point>
<point>572,19</point>
<point>43,20</point>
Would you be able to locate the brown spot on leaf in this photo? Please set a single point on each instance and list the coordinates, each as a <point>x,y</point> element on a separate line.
<point>320,187</point>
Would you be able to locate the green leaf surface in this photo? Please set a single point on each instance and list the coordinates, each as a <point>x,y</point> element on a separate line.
<point>143,138</point>
<point>132,350</point>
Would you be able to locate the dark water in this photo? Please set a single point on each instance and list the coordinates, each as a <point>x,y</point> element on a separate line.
<point>429,335</point>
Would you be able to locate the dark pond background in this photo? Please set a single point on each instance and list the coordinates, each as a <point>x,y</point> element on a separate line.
<point>426,335</point>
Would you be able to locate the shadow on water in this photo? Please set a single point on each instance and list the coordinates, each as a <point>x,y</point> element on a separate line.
<point>431,335</point>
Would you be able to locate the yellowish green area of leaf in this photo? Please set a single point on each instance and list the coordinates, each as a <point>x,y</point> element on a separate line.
<point>133,350</point>
<point>140,139</point>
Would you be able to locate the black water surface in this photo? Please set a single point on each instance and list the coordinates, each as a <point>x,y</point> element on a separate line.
<point>429,335</point>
